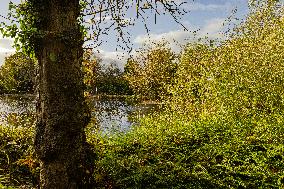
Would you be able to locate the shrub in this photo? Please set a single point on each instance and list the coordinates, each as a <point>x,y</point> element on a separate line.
<point>223,127</point>
<point>17,164</point>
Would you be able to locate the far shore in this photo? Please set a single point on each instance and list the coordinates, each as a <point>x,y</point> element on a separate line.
<point>93,97</point>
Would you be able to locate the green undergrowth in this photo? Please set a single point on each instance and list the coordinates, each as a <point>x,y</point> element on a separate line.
<point>168,151</point>
<point>215,152</point>
<point>6,187</point>
<point>17,165</point>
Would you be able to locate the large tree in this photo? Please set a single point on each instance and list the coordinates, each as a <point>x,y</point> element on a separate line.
<point>52,31</point>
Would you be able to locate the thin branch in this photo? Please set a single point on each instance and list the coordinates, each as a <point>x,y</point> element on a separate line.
<point>99,10</point>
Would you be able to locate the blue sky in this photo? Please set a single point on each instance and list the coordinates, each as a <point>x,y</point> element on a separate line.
<point>206,15</point>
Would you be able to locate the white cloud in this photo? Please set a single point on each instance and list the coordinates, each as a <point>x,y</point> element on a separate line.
<point>6,43</point>
<point>206,7</point>
<point>212,29</point>
<point>175,38</point>
<point>97,19</point>
<point>112,56</point>
<point>6,48</point>
<point>177,35</point>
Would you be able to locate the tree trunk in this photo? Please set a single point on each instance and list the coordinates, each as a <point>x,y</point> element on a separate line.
<point>60,142</point>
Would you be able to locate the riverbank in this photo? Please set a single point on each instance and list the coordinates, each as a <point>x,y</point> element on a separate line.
<point>126,98</point>
<point>18,95</point>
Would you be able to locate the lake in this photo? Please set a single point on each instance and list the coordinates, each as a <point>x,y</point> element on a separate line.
<point>109,114</point>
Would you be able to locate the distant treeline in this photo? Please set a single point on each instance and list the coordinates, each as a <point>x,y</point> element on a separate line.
<point>146,76</point>
<point>104,79</point>
<point>18,75</point>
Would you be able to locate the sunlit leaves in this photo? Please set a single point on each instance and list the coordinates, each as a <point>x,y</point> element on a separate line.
<point>242,75</point>
<point>151,73</point>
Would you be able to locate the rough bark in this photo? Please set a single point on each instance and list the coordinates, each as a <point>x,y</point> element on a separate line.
<point>60,142</point>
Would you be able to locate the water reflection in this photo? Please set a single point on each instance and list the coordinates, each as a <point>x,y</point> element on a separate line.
<point>110,115</point>
<point>17,103</point>
<point>117,115</point>
<point>17,110</point>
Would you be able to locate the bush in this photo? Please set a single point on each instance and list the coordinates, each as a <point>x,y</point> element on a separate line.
<point>169,151</point>
<point>17,164</point>
<point>223,127</point>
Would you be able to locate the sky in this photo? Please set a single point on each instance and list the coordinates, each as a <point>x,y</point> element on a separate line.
<point>206,16</point>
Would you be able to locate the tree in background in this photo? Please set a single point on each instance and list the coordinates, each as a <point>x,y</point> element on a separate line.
<point>92,69</point>
<point>17,75</point>
<point>103,79</point>
<point>112,81</point>
<point>151,73</point>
